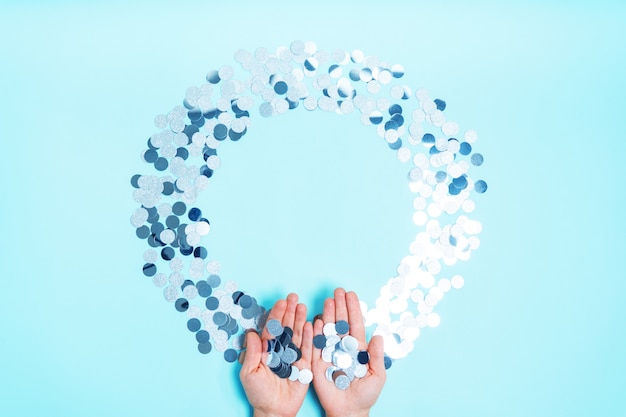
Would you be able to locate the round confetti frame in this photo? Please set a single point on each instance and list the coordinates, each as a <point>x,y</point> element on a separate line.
<point>413,125</point>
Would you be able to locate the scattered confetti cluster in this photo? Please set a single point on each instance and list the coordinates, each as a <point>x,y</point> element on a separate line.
<point>342,351</point>
<point>282,354</point>
<point>184,156</point>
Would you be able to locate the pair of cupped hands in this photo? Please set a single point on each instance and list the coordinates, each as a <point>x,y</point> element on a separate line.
<point>270,395</point>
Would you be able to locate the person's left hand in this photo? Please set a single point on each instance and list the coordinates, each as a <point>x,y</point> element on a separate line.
<point>268,394</point>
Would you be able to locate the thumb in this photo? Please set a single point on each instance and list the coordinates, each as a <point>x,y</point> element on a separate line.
<point>377,355</point>
<point>253,351</point>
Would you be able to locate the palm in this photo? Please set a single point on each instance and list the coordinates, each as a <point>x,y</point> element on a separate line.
<point>270,392</point>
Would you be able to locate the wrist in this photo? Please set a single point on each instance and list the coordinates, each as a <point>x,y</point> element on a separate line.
<point>260,413</point>
<point>363,413</point>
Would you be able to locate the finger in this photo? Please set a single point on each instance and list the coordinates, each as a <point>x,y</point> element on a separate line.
<point>276,313</point>
<point>328,316</point>
<point>298,326</point>
<point>341,310</point>
<point>377,356</point>
<point>317,363</point>
<point>290,311</point>
<point>357,326</point>
<point>254,353</point>
<point>307,345</point>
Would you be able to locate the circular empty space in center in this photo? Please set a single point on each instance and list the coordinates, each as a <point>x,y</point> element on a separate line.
<point>306,202</point>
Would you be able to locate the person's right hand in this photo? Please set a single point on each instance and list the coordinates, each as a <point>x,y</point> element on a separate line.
<point>362,393</point>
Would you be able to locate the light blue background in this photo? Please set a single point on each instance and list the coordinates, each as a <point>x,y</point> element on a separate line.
<point>308,202</point>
